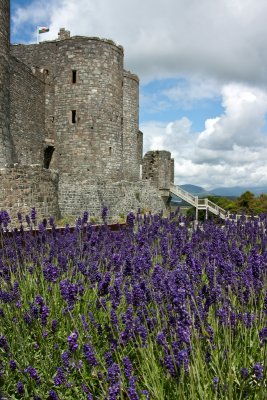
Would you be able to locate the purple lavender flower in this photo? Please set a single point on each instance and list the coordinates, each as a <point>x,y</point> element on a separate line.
<point>89,355</point>
<point>4,344</point>
<point>258,371</point>
<point>85,217</point>
<point>215,382</point>
<point>65,358</point>
<point>28,220</point>
<point>51,273</point>
<point>19,217</point>
<point>53,395</point>
<point>263,336</point>
<point>72,341</point>
<point>114,391</point>
<point>131,390</point>
<point>68,291</point>
<point>86,390</point>
<point>130,219</point>
<point>33,374</point>
<point>20,388</point>
<point>44,315</point>
<point>244,373</point>
<point>33,215</point>
<point>108,358</point>
<point>54,325</point>
<point>113,373</point>
<point>128,368</point>
<point>12,365</point>
<point>59,378</point>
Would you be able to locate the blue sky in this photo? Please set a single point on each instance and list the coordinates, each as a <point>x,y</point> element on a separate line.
<point>202,66</point>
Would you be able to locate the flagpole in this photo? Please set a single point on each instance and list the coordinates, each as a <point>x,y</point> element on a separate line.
<point>37,35</point>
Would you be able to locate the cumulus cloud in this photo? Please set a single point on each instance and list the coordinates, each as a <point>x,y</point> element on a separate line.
<point>231,150</point>
<point>223,39</point>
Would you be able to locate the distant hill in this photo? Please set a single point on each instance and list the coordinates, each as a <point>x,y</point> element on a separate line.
<point>196,190</point>
<point>235,191</point>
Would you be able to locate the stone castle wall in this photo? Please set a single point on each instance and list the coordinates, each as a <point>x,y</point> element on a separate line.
<point>27,113</point>
<point>131,158</point>
<point>25,187</point>
<point>120,198</point>
<point>158,166</point>
<point>6,145</point>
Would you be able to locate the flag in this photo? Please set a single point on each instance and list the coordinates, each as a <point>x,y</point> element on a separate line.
<point>43,29</point>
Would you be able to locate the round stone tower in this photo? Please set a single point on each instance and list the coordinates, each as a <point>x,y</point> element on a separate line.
<point>89,109</point>
<point>6,149</point>
<point>131,156</point>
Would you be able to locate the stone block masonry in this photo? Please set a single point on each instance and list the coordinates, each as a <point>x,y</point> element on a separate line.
<point>27,113</point>
<point>120,198</point>
<point>23,188</point>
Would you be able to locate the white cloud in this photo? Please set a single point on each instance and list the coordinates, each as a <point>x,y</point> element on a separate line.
<point>232,150</point>
<point>188,91</point>
<point>222,39</point>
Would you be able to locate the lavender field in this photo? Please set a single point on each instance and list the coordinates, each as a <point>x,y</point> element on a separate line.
<point>157,310</point>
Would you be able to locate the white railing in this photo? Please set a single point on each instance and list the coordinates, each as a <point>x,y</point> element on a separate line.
<point>206,204</point>
<point>200,204</point>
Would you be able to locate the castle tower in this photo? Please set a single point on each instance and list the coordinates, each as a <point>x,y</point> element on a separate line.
<point>131,146</point>
<point>88,109</point>
<point>6,150</point>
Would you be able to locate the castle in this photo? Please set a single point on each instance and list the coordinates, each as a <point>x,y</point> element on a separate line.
<point>69,130</point>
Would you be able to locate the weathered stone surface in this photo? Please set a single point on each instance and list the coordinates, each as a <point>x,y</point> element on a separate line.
<point>25,187</point>
<point>120,198</point>
<point>159,167</point>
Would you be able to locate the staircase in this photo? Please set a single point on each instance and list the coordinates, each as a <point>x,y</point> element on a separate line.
<point>199,204</point>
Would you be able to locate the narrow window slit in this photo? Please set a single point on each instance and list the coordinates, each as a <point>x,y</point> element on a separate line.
<point>74,76</point>
<point>73,116</point>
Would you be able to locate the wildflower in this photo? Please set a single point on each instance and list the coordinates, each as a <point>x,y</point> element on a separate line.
<point>263,336</point>
<point>65,358</point>
<point>53,395</point>
<point>215,382</point>
<point>128,368</point>
<point>114,391</point>
<point>131,390</point>
<point>113,373</point>
<point>54,325</point>
<point>13,365</point>
<point>59,378</point>
<point>4,344</point>
<point>20,388</point>
<point>51,273</point>
<point>87,392</point>
<point>33,373</point>
<point>89,355</point>
<point>85,217</point>
<point>33,215</point>
<point>130,219</point>
<point>258,371</point>
<point>244,373</point>
<point>44,315</point>
<point>72,341</point>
